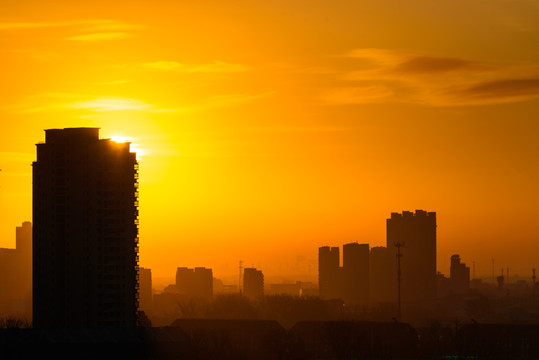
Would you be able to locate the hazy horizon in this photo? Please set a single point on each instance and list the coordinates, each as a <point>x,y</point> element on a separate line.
<point>265,130</point>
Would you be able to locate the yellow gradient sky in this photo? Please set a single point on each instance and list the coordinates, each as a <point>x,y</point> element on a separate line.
<point>269,128</point>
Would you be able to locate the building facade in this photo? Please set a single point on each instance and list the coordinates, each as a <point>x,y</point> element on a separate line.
<point>85,236</point>
<point>145,290</point>
<point>328,269</point>
<point>383,275</point>
<point>356,273</point>
<point>253,283</point>
<point>195,283</point>
<point>459,275</point>
<point>16,275</point>
<point>416,234</point>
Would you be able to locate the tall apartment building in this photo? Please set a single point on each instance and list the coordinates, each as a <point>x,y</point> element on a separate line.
<point>195,283</point>
<point>145,290</point>
<point>85,238</point>
<point>383,275</point>
<point>253,283</point>
<point>417,233</point>
<point>328,269</point>
<point>356,273</point>
<point>459,275</point>
<point>16,275</point>
<point>349,282</point>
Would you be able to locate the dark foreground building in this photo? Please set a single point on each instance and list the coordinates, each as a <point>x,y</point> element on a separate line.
<point>85,238</point>
<point>354,340</point>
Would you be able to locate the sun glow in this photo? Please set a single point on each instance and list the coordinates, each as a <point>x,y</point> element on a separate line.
<point>135,147</point>
<point>120,139</point>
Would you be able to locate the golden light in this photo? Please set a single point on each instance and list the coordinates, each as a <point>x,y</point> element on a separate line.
<point>120,139</point>
<point>133,145</point>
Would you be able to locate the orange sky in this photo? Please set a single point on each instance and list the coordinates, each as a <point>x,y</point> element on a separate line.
<point>269,128</point>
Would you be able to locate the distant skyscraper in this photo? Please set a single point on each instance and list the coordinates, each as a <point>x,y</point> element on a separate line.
<point>196,283</point>
<point>328,269</point>
<point>16,275</point>
<point>383,272</point>
<point>418,264</point>
<point>146,293</point>
<point>459,275</point>
<point>356,273</point>
<point>85,249</point>
<point>253,283</point>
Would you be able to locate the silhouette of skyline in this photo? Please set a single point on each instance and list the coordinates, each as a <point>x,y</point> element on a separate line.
<point>298,139</point>
<point>363,290</point>
<point>261,131</point>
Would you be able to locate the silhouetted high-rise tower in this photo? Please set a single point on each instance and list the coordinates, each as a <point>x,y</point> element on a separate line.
<point>328,267</point>
<point>459,275</point>
<point>356,273</point>
<point>418,264</point>
<point>253,283</point>
<point>85,239</point>
<point>196,283</point>
<point>16,275</point>
<point>383,282</point>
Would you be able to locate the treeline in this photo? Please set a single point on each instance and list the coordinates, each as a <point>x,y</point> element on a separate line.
<point>9,322</point>
<point>285,309</point>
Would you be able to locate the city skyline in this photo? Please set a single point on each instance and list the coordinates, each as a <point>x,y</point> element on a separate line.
<point>367,283</point>
<point>262,142</point>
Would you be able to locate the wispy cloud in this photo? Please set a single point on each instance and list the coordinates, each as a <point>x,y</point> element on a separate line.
<point>501,89</point>
<point>383,75</point>
<point>95,24</point>
<point>232,99</point>
<point>101,104</point>
<point>50,102</point>
<point>92,30</point>
<point>113,82</point>
<point>47,102</point>
<point>100,36</point>
<point>367,94</point>
<point>213,67</point>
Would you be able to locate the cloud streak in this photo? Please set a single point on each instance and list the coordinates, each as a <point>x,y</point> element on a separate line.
<point>79,30</point>
<point>213,67</point>
<point>232,99</point>
<point>48,102</point>
<point>388,76</point>
<point>96,24</point>
<point>51,102</point>
<point>100,36</point>
<point>102,104</point>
